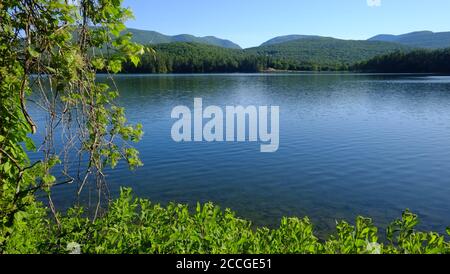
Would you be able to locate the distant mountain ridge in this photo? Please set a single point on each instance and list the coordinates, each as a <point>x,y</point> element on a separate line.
<point>287,38</point>
<point>188,53</point>
<point>326,51</point>
<point>153,37</point>
<point>420,39</point>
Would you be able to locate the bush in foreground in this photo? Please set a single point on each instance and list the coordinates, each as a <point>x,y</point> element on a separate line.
<point>135,225</point>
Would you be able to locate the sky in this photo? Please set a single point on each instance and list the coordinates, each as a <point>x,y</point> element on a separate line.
<point>252,22</point>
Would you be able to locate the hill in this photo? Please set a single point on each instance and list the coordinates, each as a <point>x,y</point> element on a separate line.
<point>420,39</point>
<point>309,54</point>
<point>327,52</point>
<point>287,38</point>
<point>153,37</point>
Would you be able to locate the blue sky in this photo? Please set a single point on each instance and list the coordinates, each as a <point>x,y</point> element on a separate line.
<point>252,22</point>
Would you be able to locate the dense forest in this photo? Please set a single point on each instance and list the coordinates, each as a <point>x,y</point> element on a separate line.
<point>324,52</point>
<point>382,53</point>
<point>418,61</point>
<point>180,57</point>
<point>307,54</point>
<point>200,58</point>
<point>183,57</point>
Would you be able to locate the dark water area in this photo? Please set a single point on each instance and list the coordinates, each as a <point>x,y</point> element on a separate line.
<point>350,144</point>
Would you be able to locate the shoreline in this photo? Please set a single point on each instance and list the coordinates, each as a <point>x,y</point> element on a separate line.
<point>279,73</point>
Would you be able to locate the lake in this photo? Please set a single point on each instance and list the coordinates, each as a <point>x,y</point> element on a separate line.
<point>350,144</point>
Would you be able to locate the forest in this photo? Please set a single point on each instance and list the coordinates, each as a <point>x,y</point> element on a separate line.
<point>311,54</point>
<point>417,61</point>
<point>336,54</point>
<point>190,57</point>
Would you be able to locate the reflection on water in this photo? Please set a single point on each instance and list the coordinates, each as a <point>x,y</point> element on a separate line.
<point>349,145</point>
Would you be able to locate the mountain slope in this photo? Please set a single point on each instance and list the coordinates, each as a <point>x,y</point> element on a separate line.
<point>287,38</point>
<point>420,39</point>
<point>327,51</point>
<point>153,37</point>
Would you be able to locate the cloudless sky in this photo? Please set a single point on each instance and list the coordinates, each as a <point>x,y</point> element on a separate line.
<point>252,22</point>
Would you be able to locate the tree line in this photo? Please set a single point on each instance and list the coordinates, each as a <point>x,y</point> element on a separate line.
<point>200,58</point>
<point>417,61</point>
<point>184,57</point>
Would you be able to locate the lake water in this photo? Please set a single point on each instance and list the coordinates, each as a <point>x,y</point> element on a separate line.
<point>350,145</point>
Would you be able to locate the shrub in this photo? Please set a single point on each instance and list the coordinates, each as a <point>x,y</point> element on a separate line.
<point>134,225</point>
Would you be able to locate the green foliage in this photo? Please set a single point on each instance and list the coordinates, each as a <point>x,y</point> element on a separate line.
<point>322,53</point>
<point>418,61</point>
<point>49,47</point>
<point>287,38</point>
<point>309,54</point>
<point>26,232</point>
<point>134,225</point>
<point>198,58</point>
<point>359,239</point>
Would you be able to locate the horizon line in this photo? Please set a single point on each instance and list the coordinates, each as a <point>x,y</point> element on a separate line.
<point>276,36</point>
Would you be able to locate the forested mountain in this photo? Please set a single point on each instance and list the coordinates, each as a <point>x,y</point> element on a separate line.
<point>304,54</point>
<point>182,57</point>
<point>418,61</point>
<point>190,54</point>
<point>420,39</point>
<point>152,37</point>
<point>287,38</point>
<point>327,52</point>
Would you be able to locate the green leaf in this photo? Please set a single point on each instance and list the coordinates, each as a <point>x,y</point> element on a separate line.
<point>7,167</point>
<point>29,144</point>
<point>54,161</point>
<point>135,60</point>
<point>48,179</point>
<point>33,52</point>
<point>50,69</point>
<point>98,63</point>
<point>115,66</point>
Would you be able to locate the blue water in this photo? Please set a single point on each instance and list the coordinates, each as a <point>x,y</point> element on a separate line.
<point>350,145</point>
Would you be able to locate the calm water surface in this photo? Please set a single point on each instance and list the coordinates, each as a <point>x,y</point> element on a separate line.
<point>349,145</point>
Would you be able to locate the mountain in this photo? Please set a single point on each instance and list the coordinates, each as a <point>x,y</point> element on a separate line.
<point>287,38</point>
<point>420,39</point>
<point>153,37</point>
<point>324,51</point>
<point>186,53</point>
